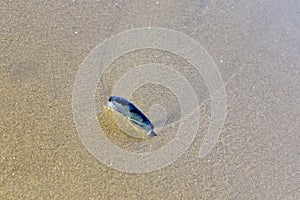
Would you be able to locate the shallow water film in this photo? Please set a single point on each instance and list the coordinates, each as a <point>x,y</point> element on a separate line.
<point>219,80</point>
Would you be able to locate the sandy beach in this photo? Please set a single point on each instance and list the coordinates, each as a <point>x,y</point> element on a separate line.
<point>255,46</point>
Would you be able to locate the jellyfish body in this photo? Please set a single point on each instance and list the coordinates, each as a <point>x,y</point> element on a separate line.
<point>132,113</point>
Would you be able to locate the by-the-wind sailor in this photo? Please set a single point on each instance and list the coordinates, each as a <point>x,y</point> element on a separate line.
<point>131,112</point>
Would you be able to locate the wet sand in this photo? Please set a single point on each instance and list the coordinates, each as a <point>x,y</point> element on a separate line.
<point>255,46</point>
